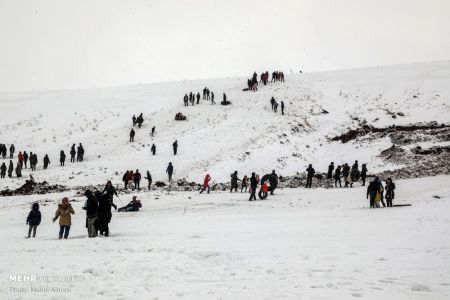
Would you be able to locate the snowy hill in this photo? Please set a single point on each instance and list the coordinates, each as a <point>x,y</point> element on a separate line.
<point>246,136</point>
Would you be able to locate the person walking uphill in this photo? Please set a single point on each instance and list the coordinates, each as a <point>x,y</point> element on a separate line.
<point>206,184</point>
<point>363,174</point>
<point>64,213</point>
<point>10,169</point>
<point>169,171</point>
<point>33,219</point>
<point>91,207</point>
<point>310,173</point>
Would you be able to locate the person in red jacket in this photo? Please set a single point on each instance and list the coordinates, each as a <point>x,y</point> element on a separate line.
<point>206,183</point>
<point>130,179</point>
<point>20,157</point>
<point>263,191</point>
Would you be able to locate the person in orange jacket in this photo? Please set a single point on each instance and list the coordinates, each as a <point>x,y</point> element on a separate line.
<point>206,183</point>
<point>20,158</point>
<point>263,191</point>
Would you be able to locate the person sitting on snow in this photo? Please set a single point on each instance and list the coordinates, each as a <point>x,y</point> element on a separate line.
<point>134,205</point>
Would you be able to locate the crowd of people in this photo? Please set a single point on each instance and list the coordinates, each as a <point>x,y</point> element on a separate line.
<point>193,98</point>
<point>252,83</point>
<point>98,207</point>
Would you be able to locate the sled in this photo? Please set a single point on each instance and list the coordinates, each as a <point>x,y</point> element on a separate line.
<point>400,205</point>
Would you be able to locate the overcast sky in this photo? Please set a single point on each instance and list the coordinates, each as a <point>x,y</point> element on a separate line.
<point>58,44</point>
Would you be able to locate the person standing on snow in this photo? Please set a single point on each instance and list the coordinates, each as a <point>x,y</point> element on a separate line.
<point>20,158</point>
<point>337,177</point>
<point>206,184</point>
<point>153,131</point>
<point>3,170</point>
<point>62,158</point>
<point>72,153</point>
<point>153,149</point>
<point>389,188</point>
<point>110,191</point>
<point>132,134</point>
<point>10,169</point>
<point>282,108</point>
<point>186,100</point>
<point>18,170</point>
<point>363,174</point>
<point>11,151</point>
<point>91,207</point>
<point>149,179</point>
<point>169,171</point>
<point>310,173</point>
<point>33,219</point>
<point>253,186</point>
<point>234,181</point>
<point>198,98</point>
<point>244,183</point>
<point>212,98</point>
<point>25,158</point>
<point>175,147</point>
<point>373,190</point>
<point>134,120</point>
<point>125,179</point>
<point>137,180</point>
<point>46,161</point>
<point>64,213</point>
<point>330,170</point>
<point>272,103</point>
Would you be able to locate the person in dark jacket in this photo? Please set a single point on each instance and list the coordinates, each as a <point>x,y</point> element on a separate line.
<point>46,161</point>
<point>149,179</point>
<point>104,214</point>
<point>137,179</point>
<point>91,207</point>
<point>33,219</point>
<point>175,147</point>
<point>198,98</point>
<point>10,169</point>
<point>310,173</point>
<point>3,170</point>
<point>125,179</point>
<point>72,153</point>
<point>153,131</point>
<point>212,98</point>
<point>282,108</point>
<point>372,190</point>
<point>110,191</point>
<point>33,161</point>
<point>25,158</point>
<point>330,170</point>
<point>337,177</point>
<point>273,180</point>
<point>253,186</point>
<point>234,181</point>
<point>80,153</point>
<point>169,171</point>
<point>186,100</point>
<point>11,151</point>
<point>363,174</point>
<point>18,170</point>
<point>389,189</point>
<point>153,149</point>
<point>134,205</point>
<point>132,134</point>
<point>62,158</point>
<point>134,120</point>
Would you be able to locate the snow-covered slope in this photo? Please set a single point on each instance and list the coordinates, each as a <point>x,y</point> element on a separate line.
<point>246,136</point>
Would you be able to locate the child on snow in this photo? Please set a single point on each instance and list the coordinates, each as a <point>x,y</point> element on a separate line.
<point>33,219</point>
<point>263,192</point>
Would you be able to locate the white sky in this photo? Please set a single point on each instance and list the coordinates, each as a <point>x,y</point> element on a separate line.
<point>58,44</point>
